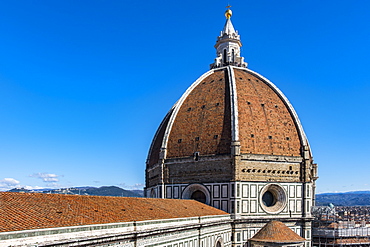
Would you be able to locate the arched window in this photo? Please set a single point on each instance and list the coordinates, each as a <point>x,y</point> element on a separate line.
<point>198,196</point>
<point>225,57</point>
<point>197,192</point>
<point>233,56</point>
<point>219,242</point>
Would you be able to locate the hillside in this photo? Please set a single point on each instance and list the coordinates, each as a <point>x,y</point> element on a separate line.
<point>353,198</point>
<point>93,191</point>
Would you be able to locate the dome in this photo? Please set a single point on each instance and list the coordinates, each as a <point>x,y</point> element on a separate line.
<point>231,124</point>
<point>230,111</point>
<point>214,112</point>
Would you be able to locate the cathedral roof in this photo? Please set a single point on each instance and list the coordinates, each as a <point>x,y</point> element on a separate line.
<point>226,105</point>
<point>24,211</point>
<point>230,104</point>
<point>277,232</point>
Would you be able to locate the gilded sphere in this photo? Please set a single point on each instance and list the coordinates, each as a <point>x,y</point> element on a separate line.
<point>228,13</point>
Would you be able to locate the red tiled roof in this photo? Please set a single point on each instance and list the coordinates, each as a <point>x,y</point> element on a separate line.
<point>351,241</point>
<point>277,232</point>
<point>263,114</point>
<point>333,225</point>
<point>203,122</point>
<point>23,211</point>
<point>204,113</point>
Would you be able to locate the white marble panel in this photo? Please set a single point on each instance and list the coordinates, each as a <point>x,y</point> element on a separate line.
<point>291,191</point>
<point>176,192</point>
<point>253,191</point>
<point>299,206</point>
<point>216,191</point>
<point>253,206</point>
<point>299,191</point>
<point>168,192</point>
<point>224,193</point>
<point>245,190</point>
<point>292,206</point>
<point>245,206</point>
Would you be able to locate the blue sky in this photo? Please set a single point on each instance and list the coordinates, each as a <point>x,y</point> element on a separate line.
<point>84,84</point>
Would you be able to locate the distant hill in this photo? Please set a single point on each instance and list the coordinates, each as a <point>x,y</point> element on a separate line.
<point>353,198</point>
<point>92,191</point>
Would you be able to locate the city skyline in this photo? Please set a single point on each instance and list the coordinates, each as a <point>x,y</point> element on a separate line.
<point>84,85</point>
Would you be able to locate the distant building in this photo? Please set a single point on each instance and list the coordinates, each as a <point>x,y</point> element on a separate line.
<point>341,226</point>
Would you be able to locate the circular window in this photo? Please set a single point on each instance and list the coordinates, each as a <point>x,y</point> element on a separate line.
<point>268,199</point>
<point>273,198</point>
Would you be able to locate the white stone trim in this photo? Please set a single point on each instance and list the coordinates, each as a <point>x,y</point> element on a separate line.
<point>157,133</point>
<point>234,105</point>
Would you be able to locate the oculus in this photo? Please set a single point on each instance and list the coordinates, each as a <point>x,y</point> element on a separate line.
<point>273,198</point>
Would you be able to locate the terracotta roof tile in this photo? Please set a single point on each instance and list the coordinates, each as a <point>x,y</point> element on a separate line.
<point>22,211</point>
<point>277,232</point>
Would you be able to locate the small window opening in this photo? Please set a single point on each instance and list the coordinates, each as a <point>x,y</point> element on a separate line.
<point>203,106</point>
<point>270,137</point>
<point>262,105</point>
<point>196,156</point>
<point>217,104</point>
<point>225,57</point>
<point>252,135</point>
<point>241,78</point>
<point>248,102</point>
<point>288,138</point>
<point>212,81</point>
<point>276,106</point>
<point>197,138</point>
<point>215,136</point>
<point>290,168</point>
<point>189,109</point>
<point>179,140</point>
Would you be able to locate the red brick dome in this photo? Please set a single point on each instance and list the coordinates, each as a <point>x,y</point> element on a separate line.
<point>226,106</point>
